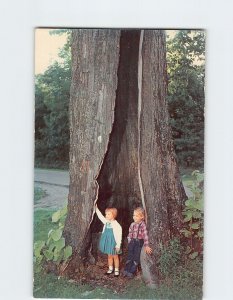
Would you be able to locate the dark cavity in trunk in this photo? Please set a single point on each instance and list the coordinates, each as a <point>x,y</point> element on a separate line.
<point>118,177</point>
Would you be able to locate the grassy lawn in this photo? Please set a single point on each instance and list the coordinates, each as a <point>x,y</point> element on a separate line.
<point>42,223</point>
<point>49,286</point>
<point>38,194</point>
<point>185,284</point>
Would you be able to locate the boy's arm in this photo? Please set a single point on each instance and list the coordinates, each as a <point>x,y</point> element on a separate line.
<point>130,235</point>
<point>100,215</point>
<point>148,249</point>
<point>145,235</point>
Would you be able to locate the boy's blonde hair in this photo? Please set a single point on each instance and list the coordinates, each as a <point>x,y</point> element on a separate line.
<point>113,210</point>
<point>140,211</point>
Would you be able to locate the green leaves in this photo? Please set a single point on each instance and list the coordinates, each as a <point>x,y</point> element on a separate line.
<point>186,74</point>
<point>67,252</point>
<point>54,249</point>
<point>60,244</point>
<point>195,226</point>
<point>193,214</point>
<point>194,204</point>
<point>56,234</point>
<point>186,233</point>
<point>48,254</point>
<point>193,255</point>
<point>52,93</point>
<point>38,247</point>
<point>59,214</point>
<point>170,256</point>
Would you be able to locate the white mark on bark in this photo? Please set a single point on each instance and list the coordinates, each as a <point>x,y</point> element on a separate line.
<point>99,139</point>
<point>139,116</point>
<point>84,50</point>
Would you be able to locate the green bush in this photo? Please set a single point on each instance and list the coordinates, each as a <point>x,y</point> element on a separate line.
<point>54,248</point>
<point>170,256</point>
<point>194,216</point>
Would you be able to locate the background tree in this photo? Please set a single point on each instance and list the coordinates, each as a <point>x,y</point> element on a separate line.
<point>52,93</point>
<point>186,73</point>
<point>121,142</point>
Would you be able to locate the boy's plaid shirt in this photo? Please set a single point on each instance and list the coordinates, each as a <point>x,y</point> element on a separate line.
<point>142,234</point>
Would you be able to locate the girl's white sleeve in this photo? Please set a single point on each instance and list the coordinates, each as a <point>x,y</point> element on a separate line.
<point>118,235</point>
<point>100,216</point>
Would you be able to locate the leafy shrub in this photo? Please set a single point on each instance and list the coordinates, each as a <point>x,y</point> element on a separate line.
<point>194,216</point>
<point>170,256</point>
<point>54,249</point>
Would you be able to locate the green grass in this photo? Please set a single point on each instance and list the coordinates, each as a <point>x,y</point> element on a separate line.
<point>52,166</point>
<point>38,194</point>
<point>52,169</point>
<point>42,223</point>
<point>187,180</point>
<point>49,286</point>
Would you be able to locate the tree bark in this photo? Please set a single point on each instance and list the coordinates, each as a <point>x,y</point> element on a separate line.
<point>162,190</point>
<point>95,55</point>
<point>121,150</point>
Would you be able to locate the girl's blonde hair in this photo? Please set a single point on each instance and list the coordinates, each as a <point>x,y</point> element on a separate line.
<point>113,210</point>
<point>140,211</point>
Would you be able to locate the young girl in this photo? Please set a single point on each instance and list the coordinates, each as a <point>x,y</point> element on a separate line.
<point>110,241</point>
<point>137,238</point>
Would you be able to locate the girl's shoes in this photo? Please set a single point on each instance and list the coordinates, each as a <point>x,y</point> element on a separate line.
<point>116,273</point>
<point>109,272</point>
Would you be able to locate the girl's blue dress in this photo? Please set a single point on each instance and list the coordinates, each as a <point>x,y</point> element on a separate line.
<point>107,241</point>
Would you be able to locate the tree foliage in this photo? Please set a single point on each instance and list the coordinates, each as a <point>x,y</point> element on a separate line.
<point>186,67</point>
<point>52,93</point>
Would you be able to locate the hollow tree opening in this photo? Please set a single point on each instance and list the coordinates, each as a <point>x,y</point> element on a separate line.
<point>118,178</point>
<point>121,143</point>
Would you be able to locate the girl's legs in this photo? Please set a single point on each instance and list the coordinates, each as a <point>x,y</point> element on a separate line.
<point>110,264</point>
<point>116,261</point>
<point>116,264</point>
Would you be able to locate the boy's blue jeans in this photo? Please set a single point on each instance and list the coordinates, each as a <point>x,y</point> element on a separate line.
<point>133,258</point>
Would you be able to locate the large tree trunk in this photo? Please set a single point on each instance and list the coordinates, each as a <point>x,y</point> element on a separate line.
<point>161,187</point>
<point>121,148</point>
<point>95,55</point>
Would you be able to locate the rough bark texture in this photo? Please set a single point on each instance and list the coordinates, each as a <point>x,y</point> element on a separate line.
<point>120,137</point>
<point>162,189</point>
<point>95,55</point>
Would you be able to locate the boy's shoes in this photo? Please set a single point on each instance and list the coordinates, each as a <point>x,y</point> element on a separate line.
<point>116,273</point>
<point>130,275</point>
<point>127,274</point>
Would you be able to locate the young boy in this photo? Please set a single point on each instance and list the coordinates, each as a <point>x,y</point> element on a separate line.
<point>137,238</point>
